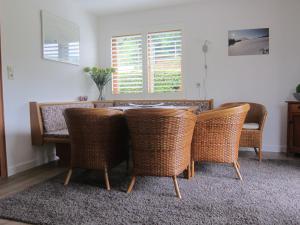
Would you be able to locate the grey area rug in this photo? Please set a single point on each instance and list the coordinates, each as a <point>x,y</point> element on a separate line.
<point>270,194</point>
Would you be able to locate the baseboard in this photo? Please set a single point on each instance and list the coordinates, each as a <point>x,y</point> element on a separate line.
<point>274,148</point>
<point>21,167</point>
<point>268,148</point>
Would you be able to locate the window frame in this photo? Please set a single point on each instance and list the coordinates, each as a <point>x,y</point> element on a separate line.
<point>146,93</point>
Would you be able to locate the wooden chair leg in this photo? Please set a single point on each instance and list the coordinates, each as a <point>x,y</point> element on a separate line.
<point>68,177</point>
<point>189,171</point>
<point>237,171</point>
<point>260,153</point>
<point>193,169</point>
<point>132,182</point>
<point>238,164</point>
<point>106,179</point>
<point>176,187</point>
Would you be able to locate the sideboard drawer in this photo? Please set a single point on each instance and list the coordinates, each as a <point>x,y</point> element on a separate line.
<point>294,108</point>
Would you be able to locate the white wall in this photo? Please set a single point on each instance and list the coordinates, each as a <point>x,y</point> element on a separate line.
<point>37,79</point>
<point>269,80</point>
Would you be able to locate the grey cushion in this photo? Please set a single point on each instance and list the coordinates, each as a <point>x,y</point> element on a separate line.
<point>58,134</point>
<point>53,115</point>
<point>251,126</point>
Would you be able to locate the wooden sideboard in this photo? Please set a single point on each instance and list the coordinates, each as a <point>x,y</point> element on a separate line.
<point>293,132</point>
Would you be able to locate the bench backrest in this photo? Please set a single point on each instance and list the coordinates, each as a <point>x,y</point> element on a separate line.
<point>53,118</point>
<point>48,117</point>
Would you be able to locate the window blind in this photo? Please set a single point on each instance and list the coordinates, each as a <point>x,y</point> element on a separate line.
<point>127,59</point>
<point>164,61</point>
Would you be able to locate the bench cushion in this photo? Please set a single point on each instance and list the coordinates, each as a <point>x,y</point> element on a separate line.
<point>53,115</point>
<point>57,134</point>
<point>251,126</point>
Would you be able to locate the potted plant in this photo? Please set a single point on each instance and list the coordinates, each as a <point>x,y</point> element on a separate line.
<point>297,94</point>
<point>101,76</point>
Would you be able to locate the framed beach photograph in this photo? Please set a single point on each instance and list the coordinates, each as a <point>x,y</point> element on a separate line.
<point>248,42</point>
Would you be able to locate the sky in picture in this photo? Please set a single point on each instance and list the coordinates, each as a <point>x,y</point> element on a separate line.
<point>249,33</point>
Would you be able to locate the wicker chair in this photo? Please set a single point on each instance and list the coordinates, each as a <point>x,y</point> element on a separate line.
<point>252,133</point>
<point>99,139</point>
<point>217,134</point>
<point>161,142</point>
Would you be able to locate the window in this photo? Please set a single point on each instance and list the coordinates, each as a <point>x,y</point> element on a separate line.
<point>163,64</point>
<point>164,61</point>
<point>127,59</point>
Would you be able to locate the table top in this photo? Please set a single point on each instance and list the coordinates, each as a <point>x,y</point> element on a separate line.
<point>124,108</point>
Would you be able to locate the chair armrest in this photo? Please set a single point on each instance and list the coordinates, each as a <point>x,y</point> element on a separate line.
<point>262,120</point>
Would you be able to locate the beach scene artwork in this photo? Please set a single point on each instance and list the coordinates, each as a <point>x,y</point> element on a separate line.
<point>248,42</point>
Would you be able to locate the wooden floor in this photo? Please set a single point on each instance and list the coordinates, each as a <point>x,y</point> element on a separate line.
<point>19,182</point>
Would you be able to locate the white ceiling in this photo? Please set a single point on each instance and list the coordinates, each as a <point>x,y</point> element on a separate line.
<point>105,7</point>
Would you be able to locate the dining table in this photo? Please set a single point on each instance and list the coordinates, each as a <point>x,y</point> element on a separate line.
<point>125,108</point>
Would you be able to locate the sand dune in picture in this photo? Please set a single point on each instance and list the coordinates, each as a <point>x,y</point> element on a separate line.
<point>257,46</point>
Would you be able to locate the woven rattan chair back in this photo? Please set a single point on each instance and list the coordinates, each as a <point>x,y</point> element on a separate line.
<point>253,138</point>
<point>217,134</point>
<point>161,141</point>
<point>256,114</point>
<point>99,138</point>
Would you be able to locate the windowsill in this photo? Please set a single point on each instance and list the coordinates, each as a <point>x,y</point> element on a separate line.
<point>144,96</point>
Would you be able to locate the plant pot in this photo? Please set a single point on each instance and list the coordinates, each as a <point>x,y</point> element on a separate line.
<point>297,96</point>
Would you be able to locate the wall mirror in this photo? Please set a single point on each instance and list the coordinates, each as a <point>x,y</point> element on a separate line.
<point>61,39</point>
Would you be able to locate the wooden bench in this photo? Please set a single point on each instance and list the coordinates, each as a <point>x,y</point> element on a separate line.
<point>48,124</point>
<point>45,129</point>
